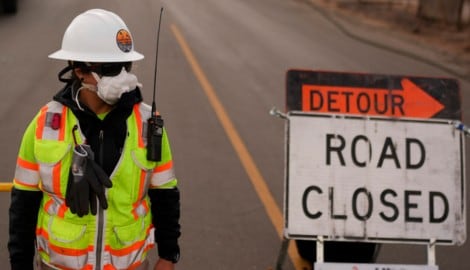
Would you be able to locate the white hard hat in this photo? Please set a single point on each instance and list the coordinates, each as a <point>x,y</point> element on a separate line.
<point>97,35</point>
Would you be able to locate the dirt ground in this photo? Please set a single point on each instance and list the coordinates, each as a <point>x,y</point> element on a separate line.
<point>400,16</point>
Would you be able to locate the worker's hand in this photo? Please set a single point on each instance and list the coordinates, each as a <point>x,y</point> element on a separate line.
<point>163,264</point>
<point>87,182</point>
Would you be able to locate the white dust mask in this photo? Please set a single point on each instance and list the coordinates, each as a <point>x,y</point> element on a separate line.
<point>110,89</point>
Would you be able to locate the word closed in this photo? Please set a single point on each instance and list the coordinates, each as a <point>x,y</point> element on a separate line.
<point>363,205</point>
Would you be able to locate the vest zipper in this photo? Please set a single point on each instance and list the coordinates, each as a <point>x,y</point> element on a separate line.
<point>99,238</point>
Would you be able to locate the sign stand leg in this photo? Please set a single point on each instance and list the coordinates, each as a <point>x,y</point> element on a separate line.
<point>320,257</point>
<point>282,253</point>
<point>432,252</point>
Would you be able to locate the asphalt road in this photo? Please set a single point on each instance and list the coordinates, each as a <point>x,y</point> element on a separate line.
<point>222,68</point>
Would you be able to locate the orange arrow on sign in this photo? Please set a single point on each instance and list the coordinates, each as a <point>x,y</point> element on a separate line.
<point>411,101</point>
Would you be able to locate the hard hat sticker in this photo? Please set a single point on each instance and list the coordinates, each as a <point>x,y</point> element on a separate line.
<point>124,40</point>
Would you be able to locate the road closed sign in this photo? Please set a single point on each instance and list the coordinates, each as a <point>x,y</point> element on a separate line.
<point>374,179</point>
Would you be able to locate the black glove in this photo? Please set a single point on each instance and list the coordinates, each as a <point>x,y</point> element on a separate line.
<point>87,182</point>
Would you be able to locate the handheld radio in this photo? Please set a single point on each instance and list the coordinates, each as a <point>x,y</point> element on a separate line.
<point>155,122</point>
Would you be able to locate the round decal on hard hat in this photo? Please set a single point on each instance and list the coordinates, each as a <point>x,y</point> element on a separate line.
<point>124,40</point>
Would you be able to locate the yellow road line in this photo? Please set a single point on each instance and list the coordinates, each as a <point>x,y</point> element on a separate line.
<point>247,161</point>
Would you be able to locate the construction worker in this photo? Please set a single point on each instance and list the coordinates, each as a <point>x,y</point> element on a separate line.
<point>86,195</point>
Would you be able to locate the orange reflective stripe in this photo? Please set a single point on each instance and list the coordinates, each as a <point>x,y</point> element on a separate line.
<point>62,210</point>
<point>56,179</point>
<point>70,251</point>
<point>122,252</point>
<point>41,122</point>
<point>27,164</point>
<point>20,183</point>
<point>164,167</point>
<point>47,205</point>
<point>42,232</point>
<point>139,124</point>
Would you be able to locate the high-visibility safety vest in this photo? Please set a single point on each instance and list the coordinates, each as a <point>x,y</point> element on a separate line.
<point>118,238</point>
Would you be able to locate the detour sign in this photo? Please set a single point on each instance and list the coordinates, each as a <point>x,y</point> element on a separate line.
<point>372,94</point>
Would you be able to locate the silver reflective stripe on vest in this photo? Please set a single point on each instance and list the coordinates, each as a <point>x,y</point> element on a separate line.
<point>141,210</point>
<point>145,113</point>
<point>46,175</point>
<point>26,176</point>
<point>54,207</point>
<point>163,177</point>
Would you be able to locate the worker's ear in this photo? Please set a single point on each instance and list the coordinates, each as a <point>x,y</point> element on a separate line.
<point>79,73</point>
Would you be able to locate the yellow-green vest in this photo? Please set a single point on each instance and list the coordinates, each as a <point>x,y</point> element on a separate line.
<point>117,238</point>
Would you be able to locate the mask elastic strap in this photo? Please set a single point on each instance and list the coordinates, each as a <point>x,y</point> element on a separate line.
<point>75,98</point>
<point>96,76</point>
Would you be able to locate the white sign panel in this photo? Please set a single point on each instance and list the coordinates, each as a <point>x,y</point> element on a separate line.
<point>374,179</point>
<point>351,266</point>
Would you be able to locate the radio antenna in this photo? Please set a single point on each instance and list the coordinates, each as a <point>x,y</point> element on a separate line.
<point>154,109</point>
<point>155,122</point>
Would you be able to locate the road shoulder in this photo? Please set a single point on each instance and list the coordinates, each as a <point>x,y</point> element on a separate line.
<point>437,44</point>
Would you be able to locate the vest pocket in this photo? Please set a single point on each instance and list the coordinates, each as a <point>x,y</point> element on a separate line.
<point>67,245</point>
<point>129,244</point>
<point>129,234</point>
<point>65,232</point>
<point>48,152</point>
